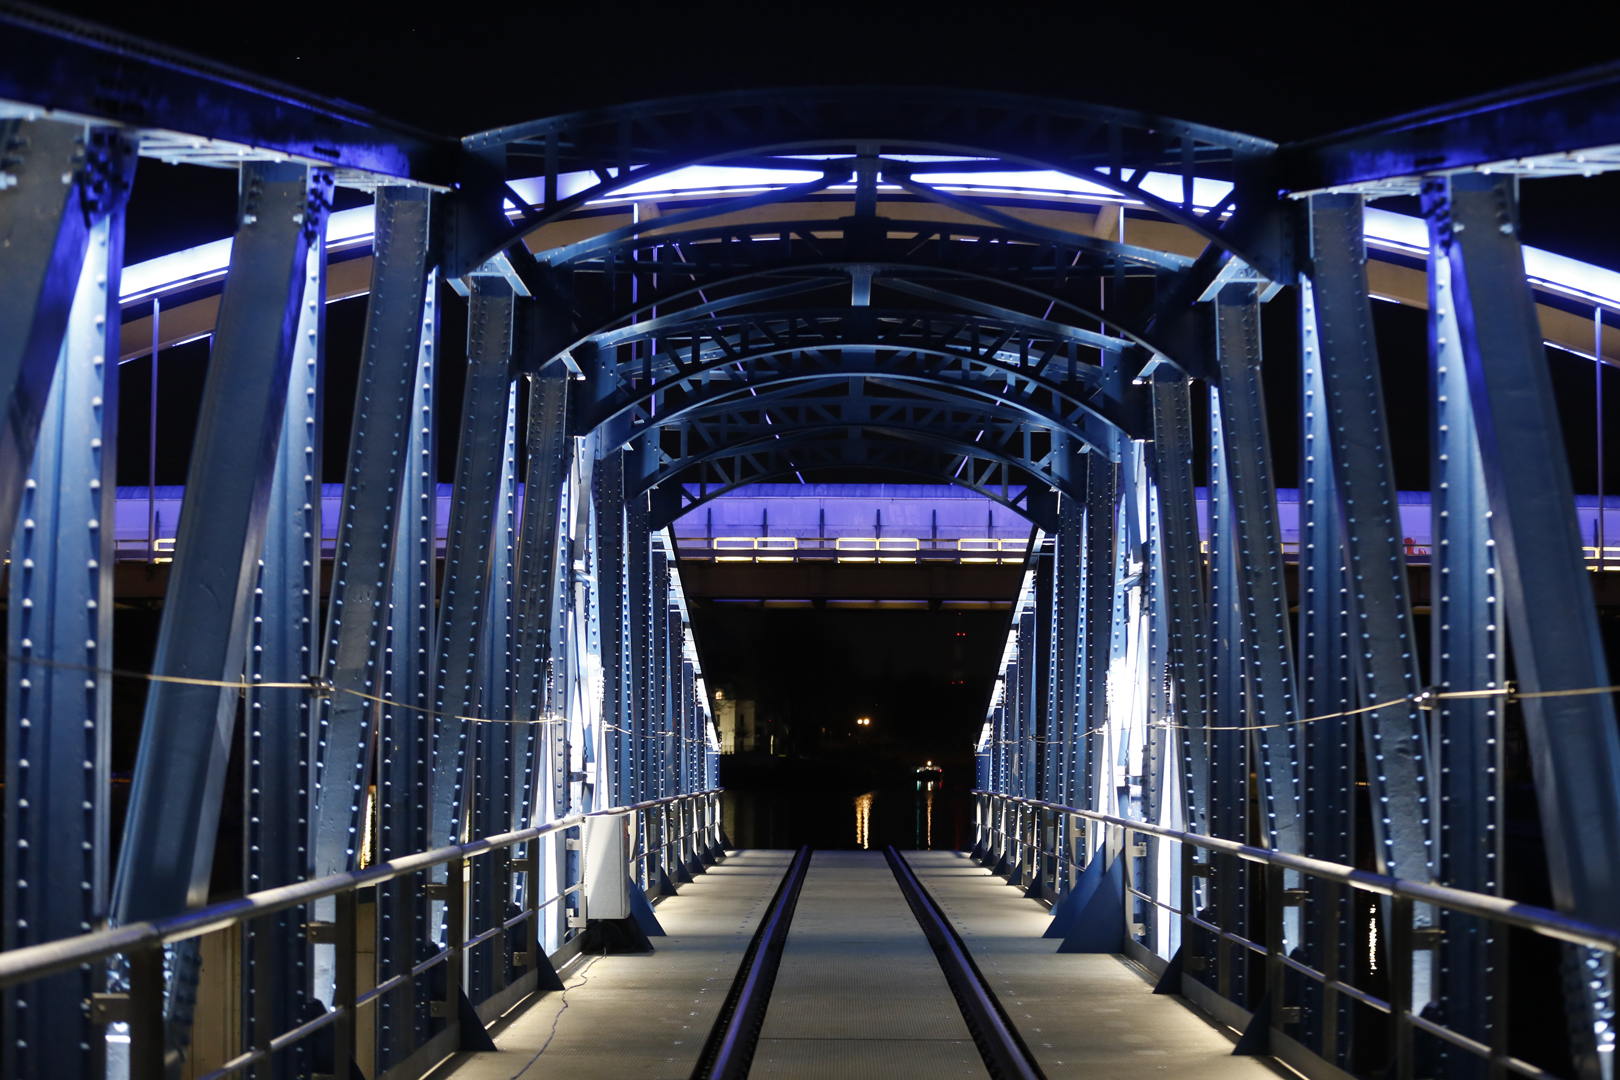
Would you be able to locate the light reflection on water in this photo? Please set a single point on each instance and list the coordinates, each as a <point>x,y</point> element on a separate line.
<point>925,817</point>
<point>863,819</point>
<point>905,816</point>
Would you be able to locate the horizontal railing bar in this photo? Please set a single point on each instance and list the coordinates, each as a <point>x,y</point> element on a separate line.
<point>1540,920</point>
<point>1474,1046</point>
<point>437,958</point>
<point>1238,939</point>
<point>280,1042</point>
<point>49,958</point>
<point>1334,984</point>
<point>382,988</point>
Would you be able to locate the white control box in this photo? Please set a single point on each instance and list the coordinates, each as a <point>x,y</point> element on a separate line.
<point>607,866</point>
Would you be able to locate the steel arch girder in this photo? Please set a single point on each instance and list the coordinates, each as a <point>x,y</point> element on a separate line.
<point>1112,147</point>
<point>737,255</point>
<point>1037,503</point>
<point>867,356</point>
<point>1042,245</point>
<point>930,413</point>
<point>1083,424</point>
<point>653,475</point>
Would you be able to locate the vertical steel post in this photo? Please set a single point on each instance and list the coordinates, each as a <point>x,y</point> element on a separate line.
<point>1225,889</point>
<point>1574,745</point>
<point>404,775</point>
<point>463,606</point>
<point>59,719</point>
<point>368,525</point>
<point>151,437</point>
<point>285,648</point>
<point>1097,623</point>
<point>492,796</point>
<point>1395,740</point>
<point>1467,654</point>
<point>168,849</point>
<point>1261,594</point>
<point>47,228</point>
<point>1325,685</point>
<point>614,592</point>
<point>1185,613</point>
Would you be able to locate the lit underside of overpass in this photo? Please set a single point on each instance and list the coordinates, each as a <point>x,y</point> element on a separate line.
<point>1274,764</point>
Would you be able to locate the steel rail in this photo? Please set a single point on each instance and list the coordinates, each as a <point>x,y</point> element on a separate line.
<point>1004,1052</point>
<point>729,1051</point>
<point>49,958</point>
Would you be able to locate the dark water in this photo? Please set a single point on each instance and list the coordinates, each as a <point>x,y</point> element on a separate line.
<point>913,818</point>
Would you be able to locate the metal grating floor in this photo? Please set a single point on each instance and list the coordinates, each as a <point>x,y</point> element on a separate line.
<point>1081,1015</point>
<point>860,993</point>
<point>641,1016</point>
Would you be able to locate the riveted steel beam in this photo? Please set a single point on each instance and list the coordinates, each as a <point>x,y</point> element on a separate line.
<point>179,774</point>
<point>59,182</point>
<point>368,524</point>
<point>404,747</point>
<point>1574,744</point>
<point>59,719</point>
<point>1326,689</point>
<point>464,592</point>
<point>1185,611</point>
<point>1467,653</point>
<point>1260,592</point>
<point>285,649</point>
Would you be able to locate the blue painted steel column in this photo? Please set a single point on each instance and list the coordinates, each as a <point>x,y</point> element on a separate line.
<point>58,719</point>
<point>638,579</point>
<point>1329,747</point>
<point>1097,623</point>
<point>1067,748</point>
<point>404,766</point>
<point>1557,645</point>
<point>1262,596</point>
<point>544,584</point>
<point>168,847</point>
<point>614,597</point>
<point>463,605</point>
<point>1467,654</point>
<point>1184,598</point>
<point>368,523</point>
<point>493,807</point>
<point>46,224</point>
<point>1386,668</point>
<point>1225,890</point>
<point>286,649</point>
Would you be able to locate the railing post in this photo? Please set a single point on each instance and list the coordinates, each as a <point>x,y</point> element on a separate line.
<point>1331,952</point>
<point>1400,984</point>
<point>146,1036</point>
<point>455,917</point>
<point>1189,898</point>
<point>1275,946</point>
<point>1499,1002</point>
<point>346,984</point>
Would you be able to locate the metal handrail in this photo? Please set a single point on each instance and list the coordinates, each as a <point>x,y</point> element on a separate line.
<point>1404,894</point>
<point>51,957</point>
<point>1539,920</point>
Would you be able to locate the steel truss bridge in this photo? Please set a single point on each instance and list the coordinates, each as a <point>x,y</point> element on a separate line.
<point>444,734</point>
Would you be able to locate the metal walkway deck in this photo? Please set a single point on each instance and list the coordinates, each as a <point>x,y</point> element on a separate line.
<point>1081,1015</point>
<point>640,1015</point>
<point>859,992</point>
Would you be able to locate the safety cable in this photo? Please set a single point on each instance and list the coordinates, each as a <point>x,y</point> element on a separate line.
<point>320,688</point>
